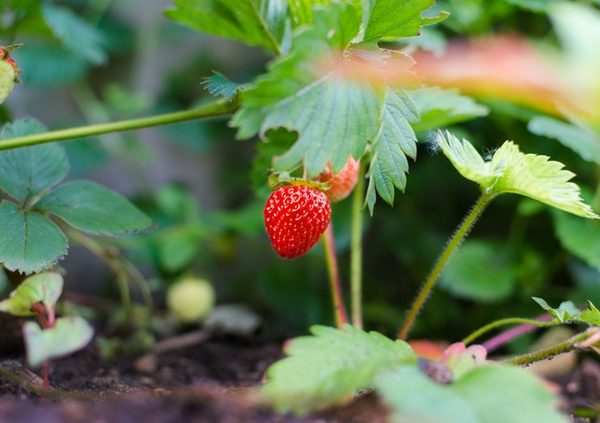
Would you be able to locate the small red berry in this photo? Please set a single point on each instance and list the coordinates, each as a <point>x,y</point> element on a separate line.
<point>295,218</point>
<point>342,183</point>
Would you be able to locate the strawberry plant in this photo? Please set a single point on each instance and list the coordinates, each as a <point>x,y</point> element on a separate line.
<point>350,93</point>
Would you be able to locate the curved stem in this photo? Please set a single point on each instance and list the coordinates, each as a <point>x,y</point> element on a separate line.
<point>455,241</point>
<point>547,353</point>
<point>356,251</point>
<point>503,322</point>
<point>339,308</point>
<point>216,108</point>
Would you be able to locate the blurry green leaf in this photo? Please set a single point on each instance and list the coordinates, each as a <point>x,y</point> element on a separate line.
<point>75,33</point>
<point>41,288</point>
<point>124,102</point>
<point>330,366</point>
<point>177,203</point>
<point>484,394</point>
<point>478,271</point>
<point>254,22</point>
<point>534,5</point>
<point>48,64</point>
<point>220,86</point>
<point>440,107</point>
<point>85,155</point>
<point>393,19</point>
<point>581,140</point>
<point>591,315</point>
<point>69,334</point>
<point>581,237</point>
<point>276,142</point>
<point>511,171</point>
<point>94,209</point>
<point>395,141</point>
<point>178,246</point>
<point>28,172</point>
<point>29,242</point>
<point>430,39</point>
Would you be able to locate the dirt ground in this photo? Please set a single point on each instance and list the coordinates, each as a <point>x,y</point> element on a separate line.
<point>211,382</point>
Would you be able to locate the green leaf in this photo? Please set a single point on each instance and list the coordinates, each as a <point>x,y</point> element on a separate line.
<point>69,334</point>
<point>79,36</point>
<point>581,140</point>
<point>484,394</point>
<point>478,272</point>
<point>334,118</point>
<point>393,19</point>
<point>220,86</point>
<point>395,141</point>
<point>29,242</point>
<point>41,288</point>
<point>254,22</point>
<point>579,236</point>
<point>91,208</point>
<point>330,366</point>
<point>511,171</point>
<point>566,311</point>
<point>440,107</point>
<point>29,171</point>
<point>178,246</point>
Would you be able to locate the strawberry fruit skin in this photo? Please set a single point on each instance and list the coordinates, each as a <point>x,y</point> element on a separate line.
<point>342,183</point>
<point>295,218</point>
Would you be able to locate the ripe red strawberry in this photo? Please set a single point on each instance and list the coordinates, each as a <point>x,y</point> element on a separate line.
<point>342,183</point>
<point>295,218</point>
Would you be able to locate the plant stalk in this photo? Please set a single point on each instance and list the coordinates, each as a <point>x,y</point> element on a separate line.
<point>508,321</point>
<point>547,353</point>
<point>455,241</point>
<point>356,251</point>
<point>339,308</point>
<point>216,108</point>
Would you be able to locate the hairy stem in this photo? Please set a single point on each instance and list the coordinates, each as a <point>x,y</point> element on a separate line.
<point>547,353</point>
<point>339,308</point>
<point>453,244</point>
<point>216,108</point>
<point>356,251</point>
<point>508,321</point>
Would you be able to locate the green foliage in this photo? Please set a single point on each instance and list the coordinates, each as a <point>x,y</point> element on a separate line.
<point>567,312</point>
<point>580,237</point>
<point>25,173</point>
<point>393,19</point>
<point>254,22</point>
<point>439,107</point>
<point>219,86</point>
<point>330,367</point>
<point>42,288</point>
<point>80,37</point>
<point>580,139</point>
<point>511,171</point>
<point>485,394</point>
<point>94,209</point>
<point>29,240</point>
<point>46,64</point>
<point>69,334</point>
<point>480,272</point>
<point>395,141</point>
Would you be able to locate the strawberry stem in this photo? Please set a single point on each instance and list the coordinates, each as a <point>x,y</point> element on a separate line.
<point>455,242</point>
<point>339,308</point>
<point>216,108</point>
<point>356,251</point>
<point>529,323</point>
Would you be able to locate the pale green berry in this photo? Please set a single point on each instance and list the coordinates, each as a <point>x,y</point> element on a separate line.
<point>190,299</point>
<point>7,79</point>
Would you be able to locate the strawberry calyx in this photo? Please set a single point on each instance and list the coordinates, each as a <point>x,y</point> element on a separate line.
<point>284,179</point>
<point>5,52</point>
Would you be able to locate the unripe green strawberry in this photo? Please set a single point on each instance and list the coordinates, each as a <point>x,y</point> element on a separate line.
<point>342,183</point>
<point>8,74</point>
<point>295,218</point>
<point>190,299</point>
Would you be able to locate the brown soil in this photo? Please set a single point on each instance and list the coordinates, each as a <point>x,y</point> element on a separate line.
<point>212,382</point>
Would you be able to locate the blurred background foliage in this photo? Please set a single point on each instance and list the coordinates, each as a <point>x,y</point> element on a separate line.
<point>88,61</point>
